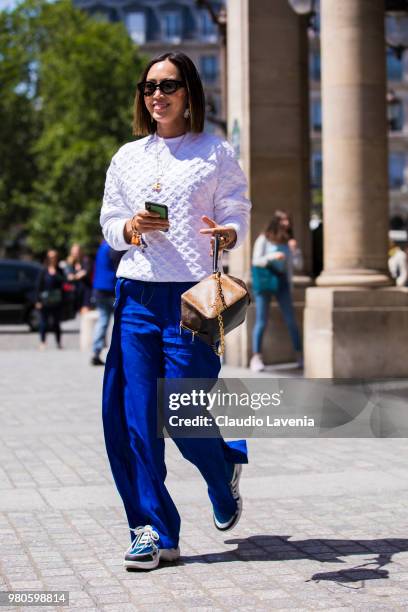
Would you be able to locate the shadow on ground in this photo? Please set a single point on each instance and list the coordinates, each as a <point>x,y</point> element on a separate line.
<point>281,548</point>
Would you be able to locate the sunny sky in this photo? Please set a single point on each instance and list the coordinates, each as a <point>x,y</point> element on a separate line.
<point>7,4</point>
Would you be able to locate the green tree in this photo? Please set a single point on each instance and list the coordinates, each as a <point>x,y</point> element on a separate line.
<point>79,78</point>
<point>18,123</point>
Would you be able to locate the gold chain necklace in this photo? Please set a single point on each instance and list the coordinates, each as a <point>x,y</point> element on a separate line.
<point>159,167</point>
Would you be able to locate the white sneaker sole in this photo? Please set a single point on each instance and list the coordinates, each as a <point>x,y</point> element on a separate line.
<point>237,516</point>
<point>234,522</point>
<point>165,554</point>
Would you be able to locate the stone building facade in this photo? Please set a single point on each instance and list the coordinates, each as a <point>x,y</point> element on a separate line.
<point>397,115</point>
<point>157,26</point>
<point>355,323</point>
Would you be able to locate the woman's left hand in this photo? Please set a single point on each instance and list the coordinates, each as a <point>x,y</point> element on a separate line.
<point>228,235</point>
<point>292,243</point>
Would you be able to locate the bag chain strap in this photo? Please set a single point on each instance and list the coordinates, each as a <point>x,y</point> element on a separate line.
<point>222,306</point>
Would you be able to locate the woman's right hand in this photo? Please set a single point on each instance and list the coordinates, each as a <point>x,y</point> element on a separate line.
<point>144,221</point>
<point>278,255</point>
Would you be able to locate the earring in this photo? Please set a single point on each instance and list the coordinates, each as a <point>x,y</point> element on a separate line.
<point>187,113</point>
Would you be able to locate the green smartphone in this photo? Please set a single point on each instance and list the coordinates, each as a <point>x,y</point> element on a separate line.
<point>158,208</point>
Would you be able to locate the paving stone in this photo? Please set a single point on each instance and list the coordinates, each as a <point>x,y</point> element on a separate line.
<point>120,607</point>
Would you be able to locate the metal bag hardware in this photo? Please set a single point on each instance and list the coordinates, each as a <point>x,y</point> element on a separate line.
<point>214,306</point>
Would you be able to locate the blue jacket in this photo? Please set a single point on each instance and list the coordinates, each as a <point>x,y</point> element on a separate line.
<point>105,268</point>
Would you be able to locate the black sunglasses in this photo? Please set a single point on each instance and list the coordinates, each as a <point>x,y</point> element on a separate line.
<point>167,86</point>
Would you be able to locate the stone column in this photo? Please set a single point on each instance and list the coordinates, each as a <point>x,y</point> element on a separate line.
<point>354,325</point>
<point>355,179</point>
<point>268,123</point>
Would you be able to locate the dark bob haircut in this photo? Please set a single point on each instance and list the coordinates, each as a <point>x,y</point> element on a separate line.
<point>143,124</point>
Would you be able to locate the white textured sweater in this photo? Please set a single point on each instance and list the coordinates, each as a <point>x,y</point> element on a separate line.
<point>200,176</point>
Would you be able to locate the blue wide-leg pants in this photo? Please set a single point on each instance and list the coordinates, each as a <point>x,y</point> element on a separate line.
<point>147,344</point>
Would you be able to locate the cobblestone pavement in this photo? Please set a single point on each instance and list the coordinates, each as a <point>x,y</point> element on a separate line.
<point>324,525</point>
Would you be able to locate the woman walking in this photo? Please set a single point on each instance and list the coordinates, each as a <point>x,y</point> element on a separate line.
<point>276,249</point>
<point>78,268</point>
<point>49,299</point>
<point>196,176</point>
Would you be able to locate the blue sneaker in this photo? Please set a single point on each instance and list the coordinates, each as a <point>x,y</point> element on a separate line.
<point>144,553</point>
<point>225,522</point>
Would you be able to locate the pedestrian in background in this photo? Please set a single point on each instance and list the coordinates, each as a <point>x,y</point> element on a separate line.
<point>49,298</point>
<point>197,177</point>
<point>78,271</point>
<point>106,263</point>
<point>277,250</point>
<point>398,264</point>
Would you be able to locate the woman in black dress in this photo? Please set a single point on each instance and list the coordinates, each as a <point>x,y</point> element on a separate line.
<point>49,299</point>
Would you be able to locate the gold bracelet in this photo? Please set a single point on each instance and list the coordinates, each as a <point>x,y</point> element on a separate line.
<point>137,239</point>
<point>226,242</point>
<point>231,244</point>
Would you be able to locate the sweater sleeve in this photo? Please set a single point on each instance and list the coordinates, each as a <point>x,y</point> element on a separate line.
<point>231,206</point>
<point>114,212</point>
<point>39,285</point>
<point>260,257</point>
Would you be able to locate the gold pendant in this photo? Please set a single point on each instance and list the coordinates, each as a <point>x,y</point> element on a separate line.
<point>157,186</point>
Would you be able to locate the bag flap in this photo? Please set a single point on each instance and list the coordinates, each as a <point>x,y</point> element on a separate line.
<point>204,295</point>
